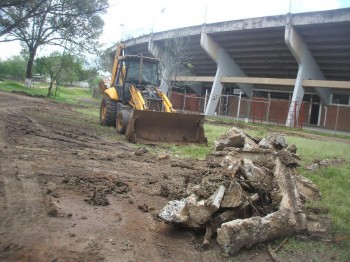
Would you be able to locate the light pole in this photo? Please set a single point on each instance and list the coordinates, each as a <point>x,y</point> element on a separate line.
<point>154,16</point>
<point>121,36</point>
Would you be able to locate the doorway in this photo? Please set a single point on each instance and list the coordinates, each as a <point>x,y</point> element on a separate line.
<point>315,108</point>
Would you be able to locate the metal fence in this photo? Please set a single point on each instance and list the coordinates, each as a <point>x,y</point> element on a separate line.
<point>256,110</point>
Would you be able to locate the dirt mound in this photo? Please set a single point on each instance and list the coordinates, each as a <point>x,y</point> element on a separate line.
<point>98,198</point>
<point>26,94</point>
<point>252,199</point>
<point>318,164</point>
<point>95,183</point>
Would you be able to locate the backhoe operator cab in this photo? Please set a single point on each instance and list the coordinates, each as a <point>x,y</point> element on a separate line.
<point>137,73</point>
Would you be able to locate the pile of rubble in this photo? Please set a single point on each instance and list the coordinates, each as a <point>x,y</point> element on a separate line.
<point>258,197</point>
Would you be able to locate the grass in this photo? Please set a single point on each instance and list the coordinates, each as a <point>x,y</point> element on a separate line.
<point>268,127</point>
<point>65,95</point>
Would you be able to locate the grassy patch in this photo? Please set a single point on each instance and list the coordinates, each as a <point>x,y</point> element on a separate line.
<point>311,149</point>
<point>66,95</point>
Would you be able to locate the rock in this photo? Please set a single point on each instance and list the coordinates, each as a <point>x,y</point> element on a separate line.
<point>234,138</point>
<point>287,158</point>
<point>98,198</point>
<point>54,209</point>
<point>264,143</point>
<point>234,196</point>
<point>141,151</point>
<point>318,164</point>
<point>277,140</point>
<point>200,212</point>
<point>246,181</point>
<point>292,148</point>
<point>231,163</point>
<point>319,227</point>
<point>164,190</point>
<point>162,156</point>
<point>191,212</point>
<point>143,208</point>
<point>239,233</point>
<point>307,189</point>
<point>175,211</point>
<point>251,171</point>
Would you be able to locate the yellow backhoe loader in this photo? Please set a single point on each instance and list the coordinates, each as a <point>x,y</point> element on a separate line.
<point>139,109</point>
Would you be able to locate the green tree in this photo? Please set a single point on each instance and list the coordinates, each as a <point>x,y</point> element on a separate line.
<point>59,67</point>
<point>10,19</point>
<point>67,23</point>
<point>14,68</point>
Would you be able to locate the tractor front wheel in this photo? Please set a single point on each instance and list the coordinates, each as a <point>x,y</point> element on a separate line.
<point>108,111</point>
<point>122,121</point>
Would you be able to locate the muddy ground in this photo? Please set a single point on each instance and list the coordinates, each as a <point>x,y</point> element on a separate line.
<point>71,192</point>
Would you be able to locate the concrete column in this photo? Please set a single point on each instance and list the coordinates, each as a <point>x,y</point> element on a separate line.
<point>226,66</point>
<point>308,69</point>
<point>159,53</point>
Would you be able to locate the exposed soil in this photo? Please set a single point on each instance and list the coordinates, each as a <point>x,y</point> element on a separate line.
<point>70,192</point>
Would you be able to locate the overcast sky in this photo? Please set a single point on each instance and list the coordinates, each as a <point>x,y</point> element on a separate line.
<point>137,17</point>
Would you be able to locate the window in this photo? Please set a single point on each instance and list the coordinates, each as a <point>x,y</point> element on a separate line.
<point>341,99</point>
<point>149,72</point>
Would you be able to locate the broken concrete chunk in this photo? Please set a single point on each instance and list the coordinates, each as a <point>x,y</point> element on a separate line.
<point>319,227</point>
<point>231,163</point>
<point>277,140</point>
<point>239,233</point>
<point>287,158</point>
<point>201,212</point>
<point>292,148</point>
<point>307,188</point>
<point>162,156</point>
<point>191,212</point>
<point>235,138</point>
<point>247,179</point>
<point>252,172</point>
<point>264,143</point>
<point>318,164</point>
<point>234,196</point>
<point>175,211</point>
<point>232,140</point>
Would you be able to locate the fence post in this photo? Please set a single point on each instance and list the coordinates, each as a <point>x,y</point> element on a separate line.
<point>205,100</point>
<point>183,108</point>
<point>268,108</point>
<point>336,119</point>
<point>239,104</point>
<point>226,105</point>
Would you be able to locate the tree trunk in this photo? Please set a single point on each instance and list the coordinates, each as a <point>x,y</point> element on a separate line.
<point>50,88</point>
<point>29,72</point>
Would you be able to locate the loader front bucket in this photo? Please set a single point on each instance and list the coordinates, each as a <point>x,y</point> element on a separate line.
<point>158,127</point>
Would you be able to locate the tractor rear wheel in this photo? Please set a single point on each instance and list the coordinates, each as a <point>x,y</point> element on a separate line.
<point>108,111</point>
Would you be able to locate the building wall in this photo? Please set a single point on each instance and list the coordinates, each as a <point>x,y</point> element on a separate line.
<point>343,122</point>
<point>259,110</point>
<point>188,102</point>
